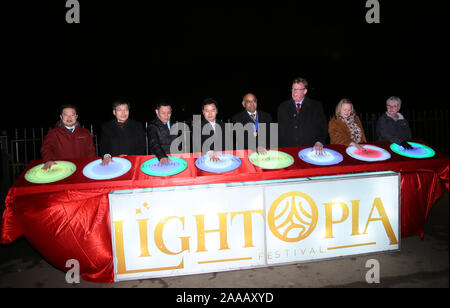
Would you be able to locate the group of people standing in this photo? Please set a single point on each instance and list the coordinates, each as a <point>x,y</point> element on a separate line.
<point>301,122</point>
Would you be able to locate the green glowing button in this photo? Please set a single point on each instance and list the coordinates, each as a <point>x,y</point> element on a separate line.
<point>61,170</point>
<point>271,160</point>
<point>418,150</point>
<point>153,167</point>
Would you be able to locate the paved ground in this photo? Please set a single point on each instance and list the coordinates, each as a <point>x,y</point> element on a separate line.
<point>420,263</point>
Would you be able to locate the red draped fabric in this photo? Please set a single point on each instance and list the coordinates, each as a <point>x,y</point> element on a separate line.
<point>69,219</point>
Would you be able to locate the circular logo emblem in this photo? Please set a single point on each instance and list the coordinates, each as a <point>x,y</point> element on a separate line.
<point>293,216</point>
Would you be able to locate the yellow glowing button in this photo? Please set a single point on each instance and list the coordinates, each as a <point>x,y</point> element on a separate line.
<point>61,170</point>
<point>271,160</point>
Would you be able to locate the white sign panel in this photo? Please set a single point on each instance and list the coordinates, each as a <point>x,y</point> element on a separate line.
<point>169,233</point>
<point>327,219</point>
<point>199,229</point>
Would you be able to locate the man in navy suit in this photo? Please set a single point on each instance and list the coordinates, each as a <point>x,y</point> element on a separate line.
<point>301,120</point>
<point>256,118</point>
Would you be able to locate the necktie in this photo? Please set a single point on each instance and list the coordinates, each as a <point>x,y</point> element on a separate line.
<point>253,117</point>
<point>298,107</point>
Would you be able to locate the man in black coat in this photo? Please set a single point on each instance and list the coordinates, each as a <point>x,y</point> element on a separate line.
<point>301,120</point>
<point>256,118</point>
<point>121,135</point>
<point>158,130</point>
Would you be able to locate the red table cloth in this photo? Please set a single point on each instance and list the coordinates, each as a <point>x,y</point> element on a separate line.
<point>69,219</point>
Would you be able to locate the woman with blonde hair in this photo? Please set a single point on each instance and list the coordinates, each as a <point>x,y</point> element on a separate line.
<point>345,127</point>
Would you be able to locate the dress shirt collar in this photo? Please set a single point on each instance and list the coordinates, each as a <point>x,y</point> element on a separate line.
<point>301,102</point>
<point>250,114</point>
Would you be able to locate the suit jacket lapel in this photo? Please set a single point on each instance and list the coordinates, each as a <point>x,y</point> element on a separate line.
<point>304,107</point>
<point>292,107</point>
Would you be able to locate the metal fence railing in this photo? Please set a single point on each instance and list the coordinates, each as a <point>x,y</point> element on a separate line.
<point>20,146</point>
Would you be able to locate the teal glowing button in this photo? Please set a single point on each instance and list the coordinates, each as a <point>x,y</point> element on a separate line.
<point>154,168</point>
<point>271,160</point>
<point>418,150</point>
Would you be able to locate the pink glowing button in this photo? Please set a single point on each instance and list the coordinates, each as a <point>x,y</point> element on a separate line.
<point>371,153</point>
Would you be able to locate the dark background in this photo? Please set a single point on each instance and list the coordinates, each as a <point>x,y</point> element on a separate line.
<point>187,52</point>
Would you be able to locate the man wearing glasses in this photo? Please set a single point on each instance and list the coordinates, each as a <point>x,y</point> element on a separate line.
<point>392,125</point>
<point>121,136</point>
<point>301,120</point>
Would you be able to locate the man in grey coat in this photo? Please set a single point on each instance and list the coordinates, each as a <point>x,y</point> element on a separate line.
<point>392,125</point>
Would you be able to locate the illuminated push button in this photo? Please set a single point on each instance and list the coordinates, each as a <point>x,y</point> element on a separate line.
<point>226,163</point>
<point>58,172</point>
<point>154,168</point>
<point>418,150</point>
<point>117,167</point>
<point>330,157</point>
<point>271,160</point>
<point>371,153</point>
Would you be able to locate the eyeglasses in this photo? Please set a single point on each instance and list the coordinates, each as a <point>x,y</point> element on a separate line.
<point>250,101</point>
<point>301,89</point>
<point>392,106</point>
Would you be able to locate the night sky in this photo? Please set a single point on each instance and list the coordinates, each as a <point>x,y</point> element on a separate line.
<point>187,52</point>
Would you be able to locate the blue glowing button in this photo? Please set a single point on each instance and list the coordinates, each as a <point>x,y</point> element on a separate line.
<point>329,158</point>
<point>154,168</point>
<point>371,153</point>
<point>226,163</point>
<point>418,150</point>
<point>117,167</point>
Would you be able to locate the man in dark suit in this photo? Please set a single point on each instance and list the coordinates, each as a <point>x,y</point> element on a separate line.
<point>121,135</point>
<point>301,120</point>
<point>213,130</point>
<point>256,118</point>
